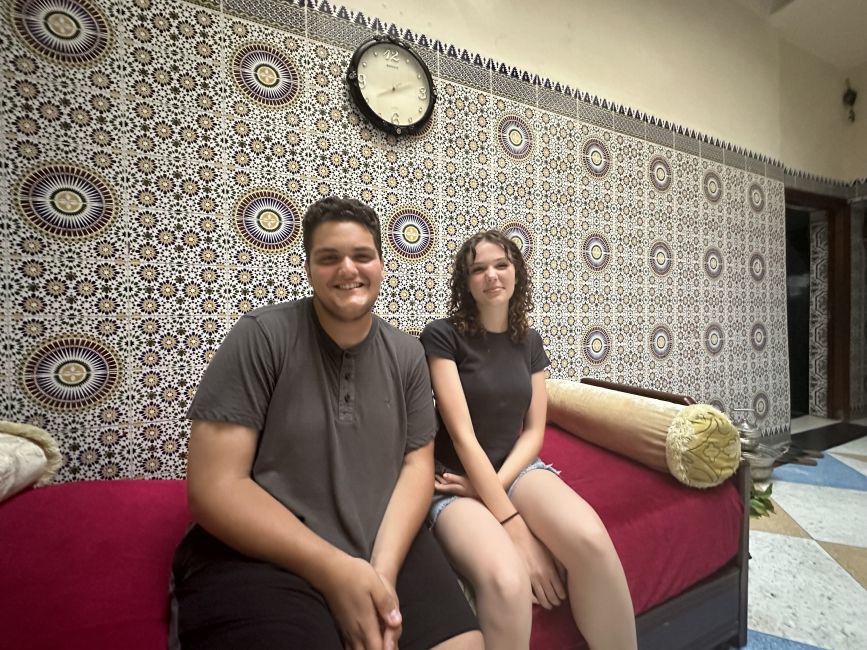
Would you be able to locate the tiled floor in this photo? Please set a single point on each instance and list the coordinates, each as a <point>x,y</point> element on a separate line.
<point>808,572</point>
<point>806,422</point>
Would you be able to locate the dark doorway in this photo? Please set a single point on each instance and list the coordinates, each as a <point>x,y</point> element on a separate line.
<point>827,354</point>
<point>798,307</point>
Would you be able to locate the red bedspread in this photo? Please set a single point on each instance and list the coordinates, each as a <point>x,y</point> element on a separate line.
<point>85,565</point>
<point>668,536</point>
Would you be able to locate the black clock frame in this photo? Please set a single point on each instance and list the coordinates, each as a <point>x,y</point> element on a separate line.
<point>358,98</point>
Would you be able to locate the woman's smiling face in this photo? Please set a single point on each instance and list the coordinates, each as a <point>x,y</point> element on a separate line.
<point>491,276</point>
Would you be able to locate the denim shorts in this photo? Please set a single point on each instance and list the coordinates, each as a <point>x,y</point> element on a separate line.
<point>441,501</point>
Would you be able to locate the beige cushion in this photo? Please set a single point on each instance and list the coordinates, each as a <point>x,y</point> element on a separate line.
<point>696,444</point>
<point>21,464</point>
<point>28,456</point>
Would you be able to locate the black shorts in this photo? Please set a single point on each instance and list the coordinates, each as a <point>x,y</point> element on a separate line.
<point>228,600</point>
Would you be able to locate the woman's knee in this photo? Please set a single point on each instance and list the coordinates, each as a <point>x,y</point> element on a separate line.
<point>590,542</point>
<point>507,581</point>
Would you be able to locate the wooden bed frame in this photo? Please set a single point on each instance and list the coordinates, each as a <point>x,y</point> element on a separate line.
<point>713,613</point>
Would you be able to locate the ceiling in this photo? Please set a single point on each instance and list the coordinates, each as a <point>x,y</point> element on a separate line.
<point>832,30</point>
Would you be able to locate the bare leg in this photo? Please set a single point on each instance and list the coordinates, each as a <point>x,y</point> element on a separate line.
<point>466,641</point>
<point>481,551</point>
<point>572,531</point>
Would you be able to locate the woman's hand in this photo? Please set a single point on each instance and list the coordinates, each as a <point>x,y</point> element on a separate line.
<point>454,484</point>
<point>546,575</point>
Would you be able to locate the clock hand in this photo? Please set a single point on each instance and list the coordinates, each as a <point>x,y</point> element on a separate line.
<point>400,86</point>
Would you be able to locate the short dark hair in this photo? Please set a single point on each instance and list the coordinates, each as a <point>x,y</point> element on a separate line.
<point>334,208</point>
<point>463,311</point>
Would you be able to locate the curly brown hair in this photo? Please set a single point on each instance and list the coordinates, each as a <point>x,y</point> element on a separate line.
<point>464,313</point>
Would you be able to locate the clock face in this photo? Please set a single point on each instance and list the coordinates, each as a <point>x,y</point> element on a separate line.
<point>394,85</point>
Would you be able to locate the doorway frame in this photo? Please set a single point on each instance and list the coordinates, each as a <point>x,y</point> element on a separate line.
<point>839,292</point>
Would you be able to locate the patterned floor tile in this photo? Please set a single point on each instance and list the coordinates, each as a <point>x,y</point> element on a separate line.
<point>828,471</point>
<point>779,522</point>
<point>854,447</point>
<point>759,641</point>
<point>827,514</point>
<point>798,592</point>
<point>807,422</point>
<point>851,558</point>
<point>856,462</point>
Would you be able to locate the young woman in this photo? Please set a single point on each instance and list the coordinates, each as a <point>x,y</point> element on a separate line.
<point>506,520</point>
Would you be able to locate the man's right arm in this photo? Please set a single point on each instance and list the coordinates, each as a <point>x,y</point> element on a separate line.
<point>226,502</point>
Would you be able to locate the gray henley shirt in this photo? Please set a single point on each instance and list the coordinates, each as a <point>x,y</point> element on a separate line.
<point>334,424</point>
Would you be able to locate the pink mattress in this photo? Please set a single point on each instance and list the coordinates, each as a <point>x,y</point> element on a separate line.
<point>668,536</point>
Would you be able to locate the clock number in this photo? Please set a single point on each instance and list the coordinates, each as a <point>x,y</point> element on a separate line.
<point>392,55</point>
<point>422,93</point>
<point>362,80</point>
<point>395,119</point>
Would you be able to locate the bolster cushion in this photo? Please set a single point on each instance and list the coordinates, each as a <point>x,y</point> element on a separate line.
<point>696,444</point>
<point>28,457</point>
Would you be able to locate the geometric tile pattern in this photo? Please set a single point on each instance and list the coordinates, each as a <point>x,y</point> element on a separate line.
<point>759,641</point>
<point>858,318</point>
<point>819,315</point>
<point>828,471</point>
<point>798,592</point>
<point>808,566</point>
<point>154,175</point>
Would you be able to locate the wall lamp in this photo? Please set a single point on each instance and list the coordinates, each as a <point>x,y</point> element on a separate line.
<point>849,98</point>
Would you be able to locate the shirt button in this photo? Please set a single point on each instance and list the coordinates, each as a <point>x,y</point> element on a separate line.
<point>346,376</point>
<point>346,397</point>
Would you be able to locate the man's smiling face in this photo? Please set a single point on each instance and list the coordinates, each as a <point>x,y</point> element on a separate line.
<point>344,270</point>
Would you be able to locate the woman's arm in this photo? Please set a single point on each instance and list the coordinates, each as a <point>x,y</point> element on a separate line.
<point>544,577</point>
<point>452,406</point>
<point>529,442</point>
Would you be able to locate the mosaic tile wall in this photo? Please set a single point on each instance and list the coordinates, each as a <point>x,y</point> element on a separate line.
<point>858,314</point>
<point>157,156</point>
<point>819,314</point>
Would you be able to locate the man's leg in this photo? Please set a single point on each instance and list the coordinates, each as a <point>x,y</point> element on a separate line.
<point>226,600</point>
<point>434,609</point>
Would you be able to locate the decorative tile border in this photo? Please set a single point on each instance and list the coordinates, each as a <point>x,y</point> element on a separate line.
<point>465,67</point>
<point>819,316</point>
<point>858,315</point>
<point>287,16</point>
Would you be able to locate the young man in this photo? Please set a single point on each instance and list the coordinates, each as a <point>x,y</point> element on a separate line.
<point>310,471</point>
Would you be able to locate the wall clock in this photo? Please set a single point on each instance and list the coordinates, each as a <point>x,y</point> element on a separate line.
<point>391,85</point>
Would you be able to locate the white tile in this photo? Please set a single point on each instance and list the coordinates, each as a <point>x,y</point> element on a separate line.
<point>807,422</point>
<point>797,591</point>
<point>858,446</point>
<point>854,463</point>
<point>826,513</point>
